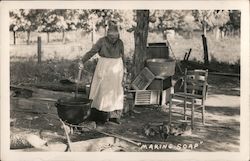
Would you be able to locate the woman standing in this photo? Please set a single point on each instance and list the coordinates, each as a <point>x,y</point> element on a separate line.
<point>107,83</point>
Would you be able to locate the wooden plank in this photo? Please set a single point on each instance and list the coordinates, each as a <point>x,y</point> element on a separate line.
<point>57,87</point>
<point>33,105</point>
<point>225,74</point>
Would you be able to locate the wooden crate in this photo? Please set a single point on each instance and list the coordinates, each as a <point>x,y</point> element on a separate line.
<point>143,80</point>
<point>160,84</point>
<point>157,50</point>
<point>147,97</point>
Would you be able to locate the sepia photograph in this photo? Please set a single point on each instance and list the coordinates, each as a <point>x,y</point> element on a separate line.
<point>111,79</point>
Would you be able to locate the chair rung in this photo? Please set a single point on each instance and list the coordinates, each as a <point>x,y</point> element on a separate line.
<point>179,103</point>
<point>178,113</point>
<point>187,95</point>
<point>196,106</point>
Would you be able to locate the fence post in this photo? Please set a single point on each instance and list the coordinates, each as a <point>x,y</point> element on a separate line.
<point>39,49</point>
<point>204,40</point>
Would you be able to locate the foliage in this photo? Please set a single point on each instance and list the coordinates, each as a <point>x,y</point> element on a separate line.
<point>234,20</point>
<point>210,19</point>
<point>62,20</point>
<point>178,20</point>
<point>23,20</point>
<point>58,20</point>
<point>166,19</point>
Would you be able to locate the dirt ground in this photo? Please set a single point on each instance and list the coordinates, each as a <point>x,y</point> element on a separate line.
<point>220,133</point>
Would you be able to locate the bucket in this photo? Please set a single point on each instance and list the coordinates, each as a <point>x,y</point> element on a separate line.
<point>73,110</point>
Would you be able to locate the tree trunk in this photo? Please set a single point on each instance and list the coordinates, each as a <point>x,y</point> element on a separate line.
<point>63,37</point>
<point>223,34</point>
<point>140,35</point>
<point>14,37</point>
<point>164,34</point>
<point>217,33</point>
<point>28,37</point>
<point>47,37</point>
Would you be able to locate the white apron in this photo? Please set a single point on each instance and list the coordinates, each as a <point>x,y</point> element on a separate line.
<point>106,87</point>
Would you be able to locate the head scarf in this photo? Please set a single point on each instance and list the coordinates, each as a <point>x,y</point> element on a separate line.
<point>113,33</point>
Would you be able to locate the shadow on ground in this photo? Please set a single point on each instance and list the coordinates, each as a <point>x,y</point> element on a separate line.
<point>221,132</point>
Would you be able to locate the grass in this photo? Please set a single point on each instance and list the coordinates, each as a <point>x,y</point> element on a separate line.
<point>60,60</point>
<point>49,71</point>
<point>226,50</point>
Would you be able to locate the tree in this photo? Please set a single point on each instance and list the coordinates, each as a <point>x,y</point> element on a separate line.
<point>211,19</point>
<point>30,21</point>
<point>23,20</point>
<point>99,19</point>
<point>233,25</point>
<point>162,20</point>
<point>218,20</point>
<point>15,22</point>
<point>140,35</point>
<point>128,20</point>
<point>51,21</point>
<point>72,20</point>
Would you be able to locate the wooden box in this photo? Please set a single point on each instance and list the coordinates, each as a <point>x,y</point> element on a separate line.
<point>160,84</point>
<point>157,50</point>
<point>143,80</point>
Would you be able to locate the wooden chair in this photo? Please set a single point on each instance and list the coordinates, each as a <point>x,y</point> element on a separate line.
<point>194,94</point>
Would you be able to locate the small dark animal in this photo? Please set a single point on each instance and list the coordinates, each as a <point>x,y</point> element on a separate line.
<point>148,130</point>
<point>164,131</point>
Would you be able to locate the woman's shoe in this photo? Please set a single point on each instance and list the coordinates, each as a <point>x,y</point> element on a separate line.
<point>115,120</point>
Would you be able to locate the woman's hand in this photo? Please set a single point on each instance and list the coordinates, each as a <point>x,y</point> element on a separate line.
<point>80,65</point>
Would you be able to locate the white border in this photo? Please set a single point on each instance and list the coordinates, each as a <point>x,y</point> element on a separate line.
<point>7,155</point>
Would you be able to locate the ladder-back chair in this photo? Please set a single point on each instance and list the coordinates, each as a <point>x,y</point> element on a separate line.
<point>194,94</point>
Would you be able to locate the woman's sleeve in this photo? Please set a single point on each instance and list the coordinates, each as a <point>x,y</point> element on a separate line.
<point>95,49</point>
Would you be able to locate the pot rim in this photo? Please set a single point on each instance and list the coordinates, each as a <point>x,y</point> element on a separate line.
<point>69,101</point>
<point>160,60</point>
